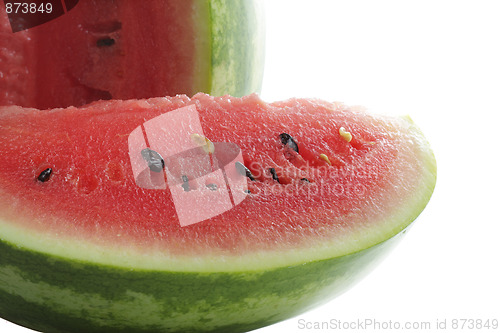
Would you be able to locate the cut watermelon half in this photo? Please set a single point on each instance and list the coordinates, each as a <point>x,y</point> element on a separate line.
<point>87,245</point>
<point>104,49</point>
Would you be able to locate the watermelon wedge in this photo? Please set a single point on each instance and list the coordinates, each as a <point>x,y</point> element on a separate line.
<point>103,49</point>
<point>91,238</point>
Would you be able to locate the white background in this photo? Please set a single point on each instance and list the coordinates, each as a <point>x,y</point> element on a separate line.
<point>439,62</point>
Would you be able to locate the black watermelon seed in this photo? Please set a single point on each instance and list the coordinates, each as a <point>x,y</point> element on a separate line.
<point>105,42</point>
<point>185,183</point>
<point>212,187</point>
<point>154,159</point>
<point>273,174</point>
<point>44,175</point>
<point>243,170</point>
<point>289,141</point>
<point>305,180</point>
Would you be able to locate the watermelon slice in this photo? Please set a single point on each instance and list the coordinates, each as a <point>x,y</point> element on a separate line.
<point>90,226</point>
<point>104,49</point>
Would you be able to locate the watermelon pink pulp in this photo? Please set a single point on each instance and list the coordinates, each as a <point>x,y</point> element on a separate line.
<point>104,49</point>
<point>85,247</point>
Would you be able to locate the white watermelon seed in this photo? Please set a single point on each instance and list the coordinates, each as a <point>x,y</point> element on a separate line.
<point>347,136</point>
<point>203,142</point>
<point>325,158</point>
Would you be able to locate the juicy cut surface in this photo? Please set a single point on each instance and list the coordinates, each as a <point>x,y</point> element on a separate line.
<point>97,50</point>
<point>318,174</point>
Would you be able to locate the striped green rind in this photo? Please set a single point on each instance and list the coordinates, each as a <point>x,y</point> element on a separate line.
<point>233,53</point>
<point>54,294</point>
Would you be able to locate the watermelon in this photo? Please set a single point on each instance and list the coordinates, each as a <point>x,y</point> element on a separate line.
<point>92,237</point>
<point>104,49</point>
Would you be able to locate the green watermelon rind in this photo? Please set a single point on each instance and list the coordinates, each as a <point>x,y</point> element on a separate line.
<point>229,47</point>
<point>53,294</point>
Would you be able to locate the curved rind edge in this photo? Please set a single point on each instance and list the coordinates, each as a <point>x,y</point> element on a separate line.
<point>237,47</point>
<point>393,223</point>
<point>56,295</point>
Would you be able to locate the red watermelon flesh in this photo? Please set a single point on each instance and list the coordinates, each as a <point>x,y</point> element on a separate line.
<point>15,85</point>
<point>88,54</point>
<point>101,50</point>
<point>332,197</point>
